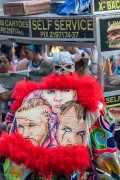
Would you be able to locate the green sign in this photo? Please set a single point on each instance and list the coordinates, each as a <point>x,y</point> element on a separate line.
<point>109,34</point>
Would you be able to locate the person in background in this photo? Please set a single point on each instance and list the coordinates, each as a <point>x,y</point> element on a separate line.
<point>34,58</point>
<point>9,49</point>
<point>107,66</point>
<point>4,68</point>
<point>73,50</point>
<point>20,51</point>
<point>82,67</point>
<point>21,61</point>
<point>4,63</point>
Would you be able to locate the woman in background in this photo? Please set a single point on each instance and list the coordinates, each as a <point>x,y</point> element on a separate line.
<point>9,49</point>
<point>4,63</point>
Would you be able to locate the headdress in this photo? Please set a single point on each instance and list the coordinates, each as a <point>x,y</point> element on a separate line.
<point>62,62</point>
<point>89,91</point>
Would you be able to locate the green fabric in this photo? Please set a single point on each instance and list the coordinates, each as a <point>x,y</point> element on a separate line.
<point>6,167</point>
<point>95,143</point>
<point>109,116</point>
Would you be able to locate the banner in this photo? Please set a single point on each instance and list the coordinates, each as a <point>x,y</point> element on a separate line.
<point>110,34</point>
<point>106,5</point>
<point>63,28</point>
<point>14,27</point>
<point>113,104</point>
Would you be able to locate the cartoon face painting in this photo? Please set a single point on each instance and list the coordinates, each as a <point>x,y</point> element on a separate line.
<point>32,120</point>
<point>72,126</point>
<point>56,98</point>
<point>51,118</point>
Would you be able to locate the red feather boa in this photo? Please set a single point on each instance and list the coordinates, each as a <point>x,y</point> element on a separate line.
<point>89,91</point>
<point>22,89</point>
<point>61,160</point>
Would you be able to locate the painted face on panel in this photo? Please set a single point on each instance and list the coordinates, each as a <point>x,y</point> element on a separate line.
<point>72,127</point>
<point>32,121</point>
<point>56,98</point>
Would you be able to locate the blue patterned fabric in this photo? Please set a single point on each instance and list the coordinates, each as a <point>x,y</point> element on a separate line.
<point>72,7</point>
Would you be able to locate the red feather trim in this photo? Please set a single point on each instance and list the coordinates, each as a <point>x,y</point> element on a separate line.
<point>89,91</point>
<point>61,160</point>
<point>22,89</point>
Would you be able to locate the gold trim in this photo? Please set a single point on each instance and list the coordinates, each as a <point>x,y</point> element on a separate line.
<point>113,105</point>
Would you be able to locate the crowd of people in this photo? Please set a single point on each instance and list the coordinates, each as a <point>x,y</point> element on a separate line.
<point>22,56</point>
<point>18,57</point>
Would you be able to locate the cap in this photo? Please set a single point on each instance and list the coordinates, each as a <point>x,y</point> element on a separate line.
<point>31,47</point>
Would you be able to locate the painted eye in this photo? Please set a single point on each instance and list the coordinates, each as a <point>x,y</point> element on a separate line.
<point>32,125</point>
<point>67,129</point>
<point>65,90</point>
<point>81,133</point>
<point>20,126</point>
<point>51,92</point>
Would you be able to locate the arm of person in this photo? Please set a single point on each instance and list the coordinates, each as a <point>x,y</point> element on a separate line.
<point>80,54</point>
<point>22,65</point>
<point>4,96</point>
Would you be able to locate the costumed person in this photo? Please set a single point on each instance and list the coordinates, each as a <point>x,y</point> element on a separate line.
<point>60,129</point>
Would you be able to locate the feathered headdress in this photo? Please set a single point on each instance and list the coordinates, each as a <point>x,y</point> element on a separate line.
<point>89,91</point>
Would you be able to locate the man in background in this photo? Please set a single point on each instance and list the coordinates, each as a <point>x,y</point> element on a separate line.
<point>82,67</point>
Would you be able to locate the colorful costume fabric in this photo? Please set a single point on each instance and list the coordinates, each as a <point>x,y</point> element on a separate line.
<point>60,131</point>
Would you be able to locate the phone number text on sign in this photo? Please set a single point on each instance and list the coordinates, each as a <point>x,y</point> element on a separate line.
<point>59,34</point>
<point>62,28</point>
